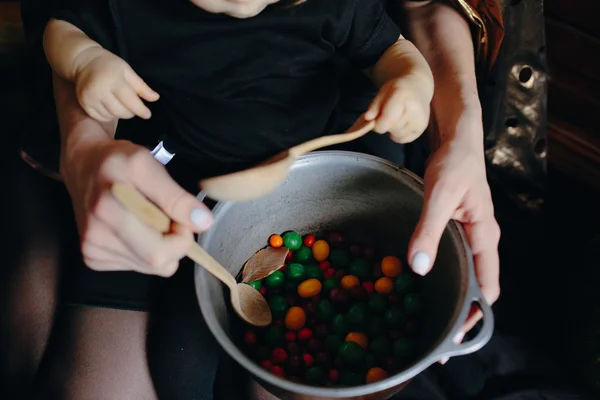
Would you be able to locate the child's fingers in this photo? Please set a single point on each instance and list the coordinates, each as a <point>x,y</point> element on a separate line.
<point>130,99</point>
<point>118,110</point>
<point>140,87</point>
<point>93,112</point>
<point>391,113</point>
<point>101,109</point>
<point>375,107</point>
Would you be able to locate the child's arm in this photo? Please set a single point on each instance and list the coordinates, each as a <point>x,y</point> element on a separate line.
<point>106,86</point>
<point>405,80</point>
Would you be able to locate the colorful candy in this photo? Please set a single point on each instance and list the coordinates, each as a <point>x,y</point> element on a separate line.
<point>391,266</point>
<point>292,240</point>
<point>341,316</point>
<point>309,288</point>
<point>295,318</point>
<point>320,250</point>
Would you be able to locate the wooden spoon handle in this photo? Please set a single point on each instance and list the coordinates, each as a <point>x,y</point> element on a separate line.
<point>331,140</point>
<point>151,215</point>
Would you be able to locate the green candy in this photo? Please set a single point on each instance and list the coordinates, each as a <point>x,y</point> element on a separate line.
<point>357,315</point>
<point>325,310</point>
<point>339,258</point>
<point>404,283</point>
<point>255,284</point>
<point>329,284</point>
<point>413,304</point>
<point>303,254</point>
<point>352,353</point>
<point>291,287</point>
<point>339,325</point>
<point>359,268</point>
<point>274,336</point>
<point>278,306</point>
<point>275,280</point>
<point>316,376</point>
<point>351,378</point>
<point>380,346</point>
<point>403,348</point>
<point>376,326</point>
<point>292,240</point>
<point>394,317</point>
<point>370,361</point>
<point>377,303</point>
<point>313,271</point>
<point>295,272</point>
<point>333,343</point>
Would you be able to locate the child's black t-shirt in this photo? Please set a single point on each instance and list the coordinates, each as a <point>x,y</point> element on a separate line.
<point>236,91</point>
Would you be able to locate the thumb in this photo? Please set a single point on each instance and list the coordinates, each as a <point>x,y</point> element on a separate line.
<point>152,179</point>
<point>425,240</point>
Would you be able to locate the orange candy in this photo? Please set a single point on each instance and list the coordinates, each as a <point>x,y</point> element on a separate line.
<point>384,285</point>
<point>358,338</point>
<point>376,374</point>
<point>320,250</point>
<point>391,266</point>
<point>349,281</point>
<point>309,288</point>
<point>276,241</point>
<point>295,318</point>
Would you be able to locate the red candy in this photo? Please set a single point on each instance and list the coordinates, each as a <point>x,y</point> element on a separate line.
<point>305,334</point>
<point>309,308</point>
<point>308,360</point>
<point>369,287</point>
<point>325,265</point>
<point>278,356</point>
<point>277,323</point>
<point>290,336</point>
<point>309,240</point>
<point>355,250</point>
<point>293,348</point>
<point>266,364</point>
<point>335,239</point>
<point>340,273</point>
<point>396,334</point>
<point>314,345</point>
<point>329,273</point>
<point>263,291</point>
<point>289,255</point>
<point>334,375</point>
<point>277,370</point>
<point>282,268</point>
<point>250,337</point>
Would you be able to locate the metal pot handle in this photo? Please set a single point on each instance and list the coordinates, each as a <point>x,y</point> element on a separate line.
<point>451,349</point>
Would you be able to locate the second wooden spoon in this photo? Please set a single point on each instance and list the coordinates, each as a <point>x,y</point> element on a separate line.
<point>257,181</point>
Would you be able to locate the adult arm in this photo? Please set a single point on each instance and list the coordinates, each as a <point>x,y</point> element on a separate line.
<point>455,180</point>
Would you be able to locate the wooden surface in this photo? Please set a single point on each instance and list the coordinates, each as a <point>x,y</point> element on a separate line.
<point>573,46</point>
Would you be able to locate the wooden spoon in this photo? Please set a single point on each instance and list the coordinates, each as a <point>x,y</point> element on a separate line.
<point>255,182</point>
<point>247,302</point>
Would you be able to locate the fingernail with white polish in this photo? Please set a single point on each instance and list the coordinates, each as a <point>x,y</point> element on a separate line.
<point>201,218</point>
<point>458,338</point>
<point>420,263</point>
<point>444,360</point>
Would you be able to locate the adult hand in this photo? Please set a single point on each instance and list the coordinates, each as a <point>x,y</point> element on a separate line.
<point>456,188</point>
<point>113,239</point>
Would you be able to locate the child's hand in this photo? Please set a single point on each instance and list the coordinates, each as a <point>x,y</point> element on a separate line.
<point>401,109</point>
<point>108,88</point>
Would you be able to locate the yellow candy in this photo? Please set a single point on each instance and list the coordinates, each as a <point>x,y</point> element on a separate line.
<point>295,318</point>
<point>358,338</point>
<point>349,281</point>
<point>320,250</point>
<point>391,266</point>
<point>376,374</point>
<point>309,288</point>
<point>384,285</point>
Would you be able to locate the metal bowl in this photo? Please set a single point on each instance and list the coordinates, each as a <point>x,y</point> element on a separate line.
<point>364,197</point>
